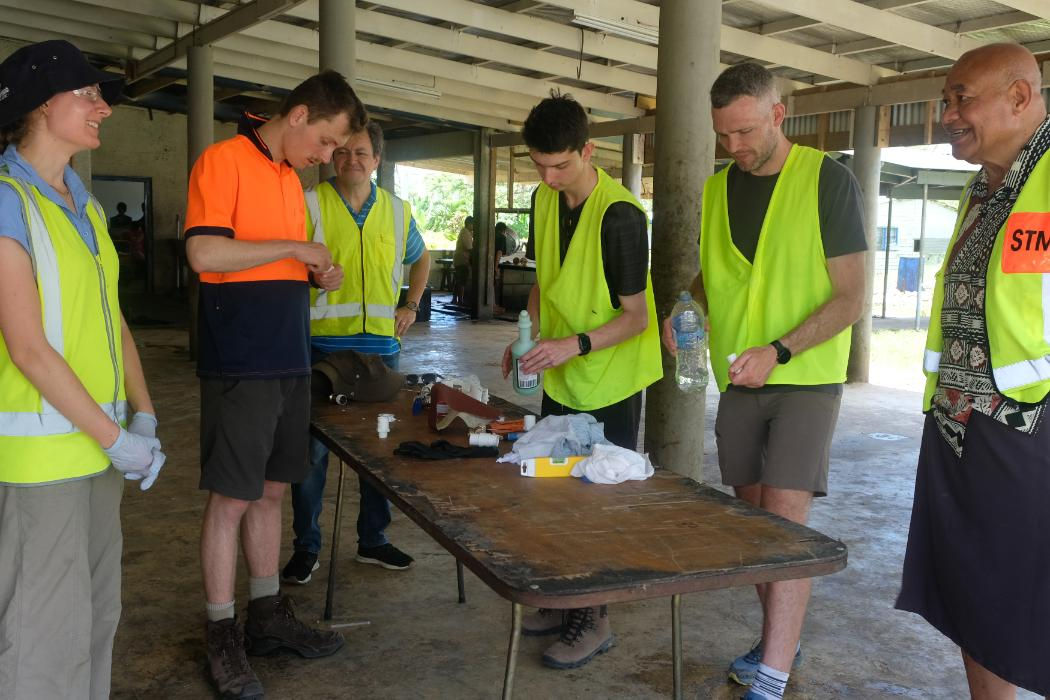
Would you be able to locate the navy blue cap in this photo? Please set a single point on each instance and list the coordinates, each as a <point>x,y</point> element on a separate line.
<point>35,73</point>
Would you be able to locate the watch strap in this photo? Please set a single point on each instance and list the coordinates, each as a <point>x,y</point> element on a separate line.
<point>783,354</point>
<point>585,343</point>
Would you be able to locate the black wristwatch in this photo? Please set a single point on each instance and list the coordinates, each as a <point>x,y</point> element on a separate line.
<point>412,306</point>
<point>585,343</point>
<point>783,354</point>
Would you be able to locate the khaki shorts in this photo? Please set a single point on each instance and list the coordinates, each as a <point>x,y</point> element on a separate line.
<point>779,439</point>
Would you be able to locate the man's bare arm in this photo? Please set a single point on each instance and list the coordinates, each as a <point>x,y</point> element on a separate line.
<point>221,254</point>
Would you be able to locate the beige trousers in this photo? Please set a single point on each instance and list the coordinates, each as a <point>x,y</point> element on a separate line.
<point>60,548</point>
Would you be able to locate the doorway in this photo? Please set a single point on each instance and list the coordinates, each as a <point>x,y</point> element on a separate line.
<point>128,203</point>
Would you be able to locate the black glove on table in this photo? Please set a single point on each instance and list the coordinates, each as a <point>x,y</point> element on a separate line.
<point>442,449</point>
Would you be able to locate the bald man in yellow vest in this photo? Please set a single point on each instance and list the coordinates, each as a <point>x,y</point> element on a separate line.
<point>978,560</point>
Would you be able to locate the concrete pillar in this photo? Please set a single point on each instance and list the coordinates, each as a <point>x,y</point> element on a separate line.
<point>481,291</point>
<point>200,133</point>
<point>81,164</point>
<point>633,157</point>
<point>337,45</point>
<point>385,176</point>
<point>685,151</point>
<point>866,167</point>
<point>922,257</point>
<point>200,122</point>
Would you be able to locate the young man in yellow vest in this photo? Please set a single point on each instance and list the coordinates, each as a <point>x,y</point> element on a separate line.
<point>978,560</point>
<point>593,304</point>
<point>782,276</point>
<point>372,235</point>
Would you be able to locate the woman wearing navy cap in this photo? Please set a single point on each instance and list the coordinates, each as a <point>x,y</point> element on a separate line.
<point>70,377</point>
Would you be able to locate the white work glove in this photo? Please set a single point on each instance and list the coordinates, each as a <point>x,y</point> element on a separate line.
<point>132,454</point>
<point>154,469</point>
<point>144,424</point>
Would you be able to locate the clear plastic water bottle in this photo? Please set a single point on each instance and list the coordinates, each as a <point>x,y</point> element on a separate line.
<point>687,320</point>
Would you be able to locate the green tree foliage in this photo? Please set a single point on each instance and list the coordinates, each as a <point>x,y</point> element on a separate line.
<point>440,202</point>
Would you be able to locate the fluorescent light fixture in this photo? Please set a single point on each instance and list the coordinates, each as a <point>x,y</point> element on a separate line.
<point>400,87</point>
<point>644,33</point>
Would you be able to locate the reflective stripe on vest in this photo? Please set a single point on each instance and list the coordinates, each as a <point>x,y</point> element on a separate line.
<point>931,361</point>
<point>321,308</point>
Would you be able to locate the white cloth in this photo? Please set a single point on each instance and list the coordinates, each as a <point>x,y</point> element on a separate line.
<point>558,436</point>
<point>612,464</point>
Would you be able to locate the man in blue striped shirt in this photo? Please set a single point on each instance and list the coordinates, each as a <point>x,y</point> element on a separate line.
<point>365,229</point>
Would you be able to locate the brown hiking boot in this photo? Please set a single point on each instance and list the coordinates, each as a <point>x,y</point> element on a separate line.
<point>543,621</point>
<point>272,625</point>
<point>227,664</point>
<point>585,635</point>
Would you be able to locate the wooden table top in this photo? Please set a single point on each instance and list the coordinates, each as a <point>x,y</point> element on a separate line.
<point>564,543</point>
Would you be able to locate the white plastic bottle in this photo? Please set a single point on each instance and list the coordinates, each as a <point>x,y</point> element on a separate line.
<point>524,383</point>
<point>687,320</point>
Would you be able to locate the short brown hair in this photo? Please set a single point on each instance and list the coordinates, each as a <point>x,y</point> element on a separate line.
<point>746,78</point>
<point>375,135</point>
<point>326,95</point>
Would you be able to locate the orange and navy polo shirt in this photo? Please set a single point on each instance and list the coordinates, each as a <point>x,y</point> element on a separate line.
<point>253,323</point>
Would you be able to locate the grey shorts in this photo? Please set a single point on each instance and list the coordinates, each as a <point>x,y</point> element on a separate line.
<point>253,430</point>
<point>779,439</point>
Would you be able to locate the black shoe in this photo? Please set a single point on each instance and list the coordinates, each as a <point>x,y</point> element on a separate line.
<point>300,567</point>
<point>227,664</point>
<point>385,555</point>
<point>272,625</point>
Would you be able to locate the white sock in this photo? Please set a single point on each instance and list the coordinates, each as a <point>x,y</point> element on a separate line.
<point>219,611</point>
<point>263,587</point>
<point>769,683</point>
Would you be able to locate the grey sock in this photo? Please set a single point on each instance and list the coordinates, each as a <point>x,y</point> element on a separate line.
<point>262,587</point>
<point>219,611</point>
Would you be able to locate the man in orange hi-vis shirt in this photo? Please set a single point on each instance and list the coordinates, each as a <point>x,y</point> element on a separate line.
<point>246,236</point>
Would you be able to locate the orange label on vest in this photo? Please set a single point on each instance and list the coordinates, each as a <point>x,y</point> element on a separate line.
<point>1027,244</point>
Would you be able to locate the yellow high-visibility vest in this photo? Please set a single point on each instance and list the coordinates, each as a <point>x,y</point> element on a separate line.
<point>81,319</point>
<point>574,298</point>
<point>751,304</point>
<point>1016,298</point>
<point>372,261</point>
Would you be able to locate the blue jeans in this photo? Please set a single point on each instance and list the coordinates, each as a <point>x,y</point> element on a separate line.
<point>373,517</point>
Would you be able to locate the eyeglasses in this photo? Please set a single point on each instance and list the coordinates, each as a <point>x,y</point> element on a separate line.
<point>92,93</point>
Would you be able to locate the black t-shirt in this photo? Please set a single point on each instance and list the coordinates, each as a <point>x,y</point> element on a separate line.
<point>625,244</point>
<point>839,206</point>
<point>501,243</point>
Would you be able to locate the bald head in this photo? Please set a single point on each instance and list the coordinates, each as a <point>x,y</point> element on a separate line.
<point>992,104</point>
<point>1004,63</point>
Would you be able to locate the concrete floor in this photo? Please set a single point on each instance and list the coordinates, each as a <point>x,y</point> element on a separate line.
<point>420,644</point>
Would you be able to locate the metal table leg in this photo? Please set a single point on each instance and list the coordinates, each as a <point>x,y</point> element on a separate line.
<point>676,643</point>
<point>512,651</point>
<point>335,544</point>
<point>459,581</point>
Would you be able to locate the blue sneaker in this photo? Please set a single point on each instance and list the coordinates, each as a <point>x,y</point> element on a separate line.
<point>744,668</point>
